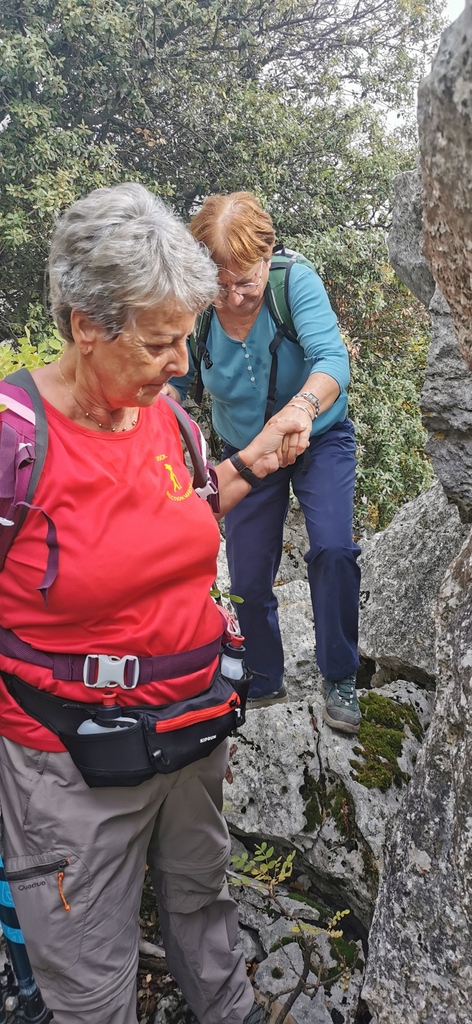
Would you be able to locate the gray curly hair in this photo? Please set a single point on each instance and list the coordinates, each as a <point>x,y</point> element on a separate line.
<point>120,250</point>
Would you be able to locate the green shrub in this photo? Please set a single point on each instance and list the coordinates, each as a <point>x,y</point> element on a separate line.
<point>386,331</point>
<point>384,405</point>
<point>28,352</point>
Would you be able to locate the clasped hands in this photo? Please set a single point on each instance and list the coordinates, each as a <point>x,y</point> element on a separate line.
<point>284,437</point>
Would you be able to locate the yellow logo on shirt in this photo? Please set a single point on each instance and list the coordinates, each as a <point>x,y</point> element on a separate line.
<point>173,478</point>
<point>176,485</point>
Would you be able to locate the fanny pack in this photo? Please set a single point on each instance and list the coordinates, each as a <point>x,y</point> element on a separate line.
<point>161,741</point>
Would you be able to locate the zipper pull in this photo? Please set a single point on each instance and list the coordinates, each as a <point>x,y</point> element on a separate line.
<point>60,879</point>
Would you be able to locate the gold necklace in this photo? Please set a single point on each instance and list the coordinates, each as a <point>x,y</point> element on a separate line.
<point>89,416</point>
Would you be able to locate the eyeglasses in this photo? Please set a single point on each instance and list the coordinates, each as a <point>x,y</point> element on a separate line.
<point>244,288</point>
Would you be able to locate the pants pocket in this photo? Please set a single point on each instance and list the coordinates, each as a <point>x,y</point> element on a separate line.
<point>51,893</point>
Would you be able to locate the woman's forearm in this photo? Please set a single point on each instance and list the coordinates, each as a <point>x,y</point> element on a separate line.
<point>278,444</point>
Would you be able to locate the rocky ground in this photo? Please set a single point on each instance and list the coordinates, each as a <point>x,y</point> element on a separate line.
<point>298,787</point>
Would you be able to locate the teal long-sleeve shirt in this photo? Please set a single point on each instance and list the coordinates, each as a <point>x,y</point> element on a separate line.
<point>238,380</point>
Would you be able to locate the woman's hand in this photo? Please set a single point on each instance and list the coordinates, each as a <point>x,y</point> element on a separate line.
<point>284,437</point>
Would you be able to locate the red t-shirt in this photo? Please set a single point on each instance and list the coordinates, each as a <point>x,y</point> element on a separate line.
<point>137,558</point>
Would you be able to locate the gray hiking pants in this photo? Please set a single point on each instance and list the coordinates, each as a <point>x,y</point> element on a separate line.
<point>80,920</point>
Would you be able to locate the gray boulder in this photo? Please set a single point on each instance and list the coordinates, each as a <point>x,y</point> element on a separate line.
<point>405,239</point>
<point>446,399</point>
<point>402,569</point>
<point>300,785</point>
<point>420,962</point>
<point>444,117</point>
<point>446,405</point>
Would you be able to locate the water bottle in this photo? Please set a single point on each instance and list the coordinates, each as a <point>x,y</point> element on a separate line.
<point>108,716</point>
<point>232,664</point>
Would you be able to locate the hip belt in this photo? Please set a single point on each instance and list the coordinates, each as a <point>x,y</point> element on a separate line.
<point>104,670</point>
<point>159,741</point>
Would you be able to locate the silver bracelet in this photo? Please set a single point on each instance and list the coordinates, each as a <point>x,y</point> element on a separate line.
<point>302,407</point>
<point>312,399</point>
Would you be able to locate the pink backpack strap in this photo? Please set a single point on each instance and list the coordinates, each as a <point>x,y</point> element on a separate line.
<point>23,447</point>
<point>205,481</point>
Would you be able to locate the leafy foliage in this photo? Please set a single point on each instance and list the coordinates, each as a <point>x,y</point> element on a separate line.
<point>288,99</point>
<point>387,333</point>
<point>196,98</point>
<point>265,867</point>
<point>27,354</point>
<point>393,467</point>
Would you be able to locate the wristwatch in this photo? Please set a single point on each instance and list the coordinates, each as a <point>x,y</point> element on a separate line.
<point>244,470</point>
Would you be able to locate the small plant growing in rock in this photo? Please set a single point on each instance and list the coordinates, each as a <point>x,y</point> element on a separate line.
<point>266,871</point>
<point>264,868</point>
<point>224,598</point>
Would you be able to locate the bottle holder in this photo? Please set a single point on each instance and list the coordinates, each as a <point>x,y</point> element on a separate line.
<point>164,739</point>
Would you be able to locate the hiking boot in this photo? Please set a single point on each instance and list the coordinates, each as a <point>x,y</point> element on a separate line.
<point>255,1015</point>
<point>341,710</point>
<point>266,700</point>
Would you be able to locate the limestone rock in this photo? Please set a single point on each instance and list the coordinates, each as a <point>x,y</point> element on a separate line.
<point>333,984</point>
<point>446,400</point>
<point>420,961</point>
<point>292,564</point>
<point>405,239</point>
<point>300,785</point>
<point>279,973</point>
<point>445,119</point>
<point>302,675</point>
<point>402,569</point>
<point>446,405</point>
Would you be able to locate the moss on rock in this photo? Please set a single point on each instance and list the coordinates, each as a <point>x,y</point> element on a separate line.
<point>343,811</point>
<point>371,871</point>
<point>387,712</point>
<point>381,736</point>
<point>324,800</point>
<point>314,795</point>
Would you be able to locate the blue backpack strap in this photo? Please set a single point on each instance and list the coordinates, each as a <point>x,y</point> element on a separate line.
<point>205,481</point>
<point>23,447</point>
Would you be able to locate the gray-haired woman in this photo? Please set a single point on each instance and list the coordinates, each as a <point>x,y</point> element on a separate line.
<point>137,557</point>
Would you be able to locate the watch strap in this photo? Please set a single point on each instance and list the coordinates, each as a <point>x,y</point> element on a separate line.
<point>244,470</point>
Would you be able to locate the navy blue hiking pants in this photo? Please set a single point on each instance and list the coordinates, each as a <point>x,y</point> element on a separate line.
<point>323,481</point>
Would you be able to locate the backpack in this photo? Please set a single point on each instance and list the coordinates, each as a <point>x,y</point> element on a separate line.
<point>277,299</point>
<point>23,447</point>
